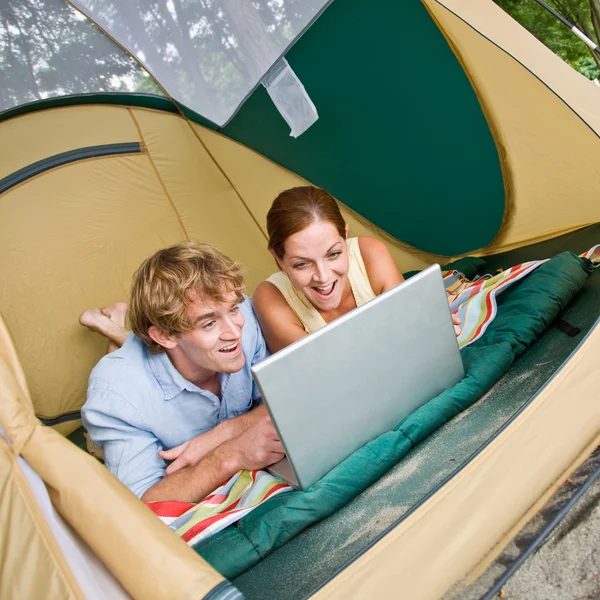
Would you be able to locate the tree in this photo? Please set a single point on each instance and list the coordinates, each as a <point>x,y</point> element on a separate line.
<point>48,49</point>
<point>585,14</point>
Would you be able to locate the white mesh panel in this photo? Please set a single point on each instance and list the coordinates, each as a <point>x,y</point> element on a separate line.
<point>208,54</point>
<point>48,49</point>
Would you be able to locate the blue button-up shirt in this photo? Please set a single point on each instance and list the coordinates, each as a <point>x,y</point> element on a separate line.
<point>138,403</point>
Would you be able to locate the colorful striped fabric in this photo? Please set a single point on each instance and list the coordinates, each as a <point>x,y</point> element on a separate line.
<point>473,301</point>
<point>593,255</point>
<point>226,505</point>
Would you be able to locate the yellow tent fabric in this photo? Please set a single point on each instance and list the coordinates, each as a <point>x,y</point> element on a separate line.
<point>81,229</point>
<point>26,543</point>
<point>543,115</point>
<point>148,560</point>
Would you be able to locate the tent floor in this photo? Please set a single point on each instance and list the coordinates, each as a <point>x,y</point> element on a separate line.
<point>306,562</point>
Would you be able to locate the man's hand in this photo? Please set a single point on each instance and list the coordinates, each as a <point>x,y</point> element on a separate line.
<point>190,452</point>
<point>256,447</point>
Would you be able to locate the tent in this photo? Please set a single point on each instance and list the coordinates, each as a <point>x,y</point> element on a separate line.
<point>491,153</point>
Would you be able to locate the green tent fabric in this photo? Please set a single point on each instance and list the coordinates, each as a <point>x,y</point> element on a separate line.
<point>524,311</point>
<point>414,154</point>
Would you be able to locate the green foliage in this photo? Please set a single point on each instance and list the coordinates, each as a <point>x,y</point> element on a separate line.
<point>587,66</point>
<point>48,49</point>
<point>144,84</point>
<point>556,36</point>
<point>201,47</point>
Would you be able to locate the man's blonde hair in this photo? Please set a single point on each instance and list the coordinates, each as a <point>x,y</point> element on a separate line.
<point>170,279</point>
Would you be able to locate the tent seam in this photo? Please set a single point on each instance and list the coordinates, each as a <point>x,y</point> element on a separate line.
<point>520,63</point>
<point>222,171</point>
<point>157,173</point>
<point>188,121</point>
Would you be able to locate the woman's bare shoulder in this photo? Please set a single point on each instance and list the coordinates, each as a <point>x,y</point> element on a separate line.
<point>270,304</point>
<point>278,321</point>
<point>372,247</point>
<point>381,268</point>
<point>267,292</point>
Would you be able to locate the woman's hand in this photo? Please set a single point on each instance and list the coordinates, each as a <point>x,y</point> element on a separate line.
<point>456,322</point>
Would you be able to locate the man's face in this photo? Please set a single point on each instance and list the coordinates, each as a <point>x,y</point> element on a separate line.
<point>215,342</point>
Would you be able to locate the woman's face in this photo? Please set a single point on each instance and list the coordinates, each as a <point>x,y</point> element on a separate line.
<point>316,261</point>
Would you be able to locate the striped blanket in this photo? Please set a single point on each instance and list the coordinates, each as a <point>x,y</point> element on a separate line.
<point>476,305</point>
<point>475,301</point>
<point>226,505</point>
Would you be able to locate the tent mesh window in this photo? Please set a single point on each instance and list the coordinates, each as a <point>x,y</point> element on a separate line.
<point>48,49</point>
<point>209,55</point>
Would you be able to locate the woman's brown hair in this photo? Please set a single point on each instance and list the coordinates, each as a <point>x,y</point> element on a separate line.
<point>297,208</point>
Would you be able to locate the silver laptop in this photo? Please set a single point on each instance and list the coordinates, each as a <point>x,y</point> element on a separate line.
<point>333,391</point>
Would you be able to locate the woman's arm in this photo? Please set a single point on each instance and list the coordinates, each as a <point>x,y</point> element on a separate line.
<point>381,268</point>
<point>278,322</point>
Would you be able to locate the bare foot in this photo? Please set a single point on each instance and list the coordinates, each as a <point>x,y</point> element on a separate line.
<point>93,319</point>
<point>108,321</point>
<point>116,312</point>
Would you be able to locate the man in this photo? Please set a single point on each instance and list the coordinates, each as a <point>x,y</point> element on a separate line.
<point>182,373</point>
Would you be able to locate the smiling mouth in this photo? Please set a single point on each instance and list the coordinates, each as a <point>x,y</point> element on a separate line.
<point>325,291</point>
<point>230,348</point>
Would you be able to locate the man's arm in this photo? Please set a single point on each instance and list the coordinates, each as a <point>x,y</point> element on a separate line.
<point>130,450</point>
<point>256,447</point>
<point>190,452</point>
<point>192,484</point>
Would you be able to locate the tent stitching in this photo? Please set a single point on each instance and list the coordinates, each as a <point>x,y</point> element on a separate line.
<point>180,111</point>
<point>160,179</point>
<point>520,63</point>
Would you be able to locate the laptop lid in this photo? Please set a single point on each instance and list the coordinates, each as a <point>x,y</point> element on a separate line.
<point>333,391</point>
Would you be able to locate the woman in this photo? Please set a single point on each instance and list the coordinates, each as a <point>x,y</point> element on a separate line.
<point>323,274</point>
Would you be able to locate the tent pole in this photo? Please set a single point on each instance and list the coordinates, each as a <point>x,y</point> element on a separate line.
<point>584,38</point>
